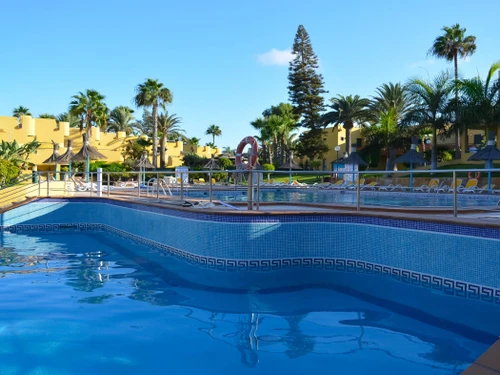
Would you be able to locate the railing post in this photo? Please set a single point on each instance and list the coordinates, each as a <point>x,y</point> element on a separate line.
<point>139,184</point>
<point>210,187</point>
<point>48,184</point>
<point>182,186</point>
<point>109,183</point>
<point>455,208</point>
<point>39,185</point>
<point>358,193</point>
<point>158,186</point>
<point>250,191</point>
<point>99,182</point>
<point>258,192</point>
<point>89,182</point>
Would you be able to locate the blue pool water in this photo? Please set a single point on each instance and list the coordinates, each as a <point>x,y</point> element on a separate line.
<point>94,303</point>
<point>349,197</point>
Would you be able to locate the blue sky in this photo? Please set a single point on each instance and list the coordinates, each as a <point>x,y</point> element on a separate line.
<point>217,56</point>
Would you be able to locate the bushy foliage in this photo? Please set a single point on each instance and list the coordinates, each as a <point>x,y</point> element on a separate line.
<point>224,163</point>
<point>442,152</point>
<point>134,148</point>
<point>268,167</point>
<point>8,171</point>
<point>194,161</point>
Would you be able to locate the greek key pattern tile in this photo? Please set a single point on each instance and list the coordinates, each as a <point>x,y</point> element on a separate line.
<point>444,285</point>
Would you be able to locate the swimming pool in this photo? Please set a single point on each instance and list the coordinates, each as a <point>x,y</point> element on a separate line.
<point>133,288</point>
<point>373,198</point>
<point>75,302</point>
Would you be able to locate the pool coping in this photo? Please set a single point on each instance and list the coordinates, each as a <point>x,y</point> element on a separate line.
<point>422,215</point>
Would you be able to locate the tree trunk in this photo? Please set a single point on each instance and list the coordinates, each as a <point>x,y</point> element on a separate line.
<point>457,120</point>
<point>213,139</point>
<point>348,128</point>
<point>155,134</point>
<point>392,159</point>
<point>434,149</point>
<point>88,124</point>
<point>163,141</point>
<point>275,148</point>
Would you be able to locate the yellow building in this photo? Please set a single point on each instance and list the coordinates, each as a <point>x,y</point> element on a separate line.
<point>336,136</point>
<point>109,144</point>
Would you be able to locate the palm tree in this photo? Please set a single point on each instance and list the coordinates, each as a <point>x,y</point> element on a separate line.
<point>275,126</point>
<point>121,119</point>
<point>432,106</point>
<point>88,106</point>
<point>389,106</point>
<point>347,111</point>
<point>47,115</point>
<point>214,131</point>
<point>20,111</point>
<point>227,150</point>
<point>450,46</point>
<point>167,125</point>
<point>102,117</point>
<point>194,142</point>
<point>73,120</point>
<point>481,101</point>
<point>152,93</point>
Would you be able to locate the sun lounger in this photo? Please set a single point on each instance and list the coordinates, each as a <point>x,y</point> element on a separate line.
<point>297,184</point>
<point>470,187</point>
<point>450,188</point>
<point>354,185</point>
<point>479,190</point>
<point>338,185</point>
<point>433,185</point>
<point>322,185</point>
<point>370,186</point>
<point>392,187</point>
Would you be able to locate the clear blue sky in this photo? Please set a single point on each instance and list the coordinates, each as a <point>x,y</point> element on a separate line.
<point>212,54</point>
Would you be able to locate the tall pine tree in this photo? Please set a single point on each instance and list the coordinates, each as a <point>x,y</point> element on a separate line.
<point>305,90</point>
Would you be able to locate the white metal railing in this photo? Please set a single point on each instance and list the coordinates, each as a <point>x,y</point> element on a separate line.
<point>181,184</point>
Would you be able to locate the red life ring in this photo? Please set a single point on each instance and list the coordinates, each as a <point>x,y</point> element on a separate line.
<point>252,160</point>
<point>478,174</point>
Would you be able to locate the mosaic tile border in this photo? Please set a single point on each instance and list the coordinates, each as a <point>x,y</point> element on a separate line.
<point>462,230</point>
<point>447,286</point>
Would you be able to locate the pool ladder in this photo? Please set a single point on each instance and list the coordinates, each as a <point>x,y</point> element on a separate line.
<point>158,184</point>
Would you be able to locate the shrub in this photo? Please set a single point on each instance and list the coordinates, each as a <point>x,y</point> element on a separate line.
<point>8,171</point>
<point>224,163</point>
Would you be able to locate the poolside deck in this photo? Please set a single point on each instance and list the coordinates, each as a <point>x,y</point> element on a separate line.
<point>474,216</point>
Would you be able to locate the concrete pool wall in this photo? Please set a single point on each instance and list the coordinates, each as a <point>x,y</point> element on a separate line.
<point>455,257</point>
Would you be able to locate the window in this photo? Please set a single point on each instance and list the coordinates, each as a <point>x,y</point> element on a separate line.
<point>341,138</point>
<point>359,142</point>
<point>478,138</point>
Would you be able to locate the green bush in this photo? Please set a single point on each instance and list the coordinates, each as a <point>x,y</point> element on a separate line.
<point>443,154</point>
<point>8,171</point>
<point>224,163</point>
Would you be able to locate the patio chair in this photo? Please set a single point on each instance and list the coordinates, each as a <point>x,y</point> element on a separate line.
<point>450,188</point>
<point>298,184</point>
<point>354,185</point>
<point>371,186</point>
<point>433,185</point>
<point>321,185</point>
<point>470,186</point>
<point>336,186</point>
<point>479,190</point>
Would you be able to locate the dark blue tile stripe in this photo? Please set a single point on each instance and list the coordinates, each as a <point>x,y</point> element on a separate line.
<point>462,230</point>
